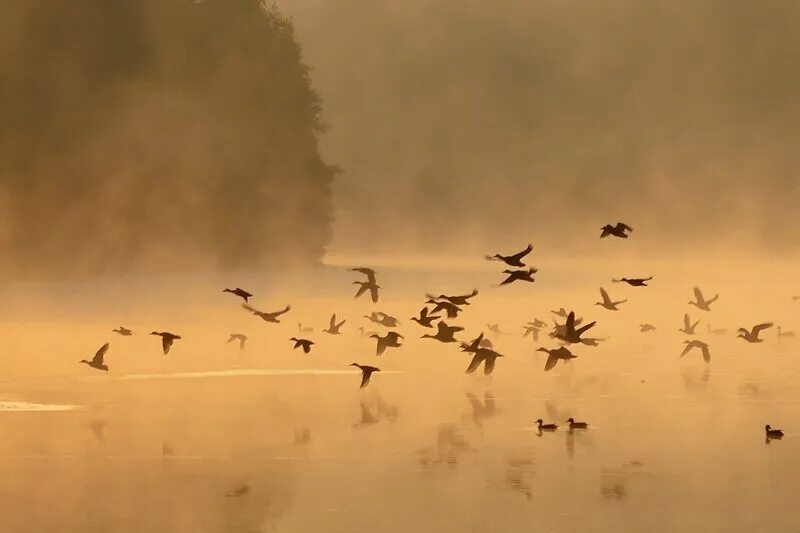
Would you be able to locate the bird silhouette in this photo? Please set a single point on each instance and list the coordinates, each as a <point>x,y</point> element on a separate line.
<point>773,433</point>
<point>700,302</point>
<point>571,334</point>
<point>97,360</point>
<point>620,229</point>
<point>553,356</point>
<point>540,323</point>
<point>383,319</point>
<point>367,272</point>
<point>455,300</point>
<point>752,335</point>
<point>633,282</point>
<point>607,303</point>
<point>514,260</point>
<point>473,345</point>
<point>268,317</point>
<point>702,346</point>
<point>519,275</point>
<point>576,425</point>
<point>425,319</point>
<point>546,427</point>
<point>688,327</point>
<point>334,328</point>
<point>487,357</point>
<point>305,344</point>
<point>367,286</point>
<point>238,337</point>
<point>366,373</point>
<point>646,328</point>
<point>167,339</point>
<point>122,330</point>
<point>390,340</point>
<point>451,309</point>
<point>531,330</point>
<point>444,333</point>
<point>241,293</point>
<point>238,492</point>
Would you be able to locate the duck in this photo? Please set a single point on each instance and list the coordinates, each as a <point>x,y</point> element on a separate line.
<point>553,356</point>
<point>241,293</point>
<point>238,337</point>
<point>700,302</point>
<point>572,335</point>
<point>268,317</point>
<point>455,300</point>
<point>519,275</point>
<point>486,356</point>
<point>97,361</point>
<point>773,433</point>
<point>366,373</point>
<point>576,425</point>
<point>473,345</point>
<point>702,346</point>
<point>305,344</point>
<point>383,319</point>
<point>334,328</point>
<point>444,332</point>
<point>367,286</point>
<point>538,323</point>
<point>646,328</point>
<point>752,336</point>
<point>122,330</point>
<point>451,309</point>
<point>167,339</point>
<point>546,427</point>
<point>531,330</point>
<point>390,340</point>
<point>425,319</point>
<point>633,282</point>
<point>607,303</point>
<point>688,327</point>
<point>513,260</point>
<point>620,230</point>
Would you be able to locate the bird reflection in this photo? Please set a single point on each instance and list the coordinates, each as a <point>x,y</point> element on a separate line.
<point>302,437</point>
<point>450,445</point>
<point>482,410</point>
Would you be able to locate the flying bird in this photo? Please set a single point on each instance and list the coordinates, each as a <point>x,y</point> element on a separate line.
<point>334,327</point>
<point>560,312</point>
<point>444,333</point>
<point>455,300</point>
<point>572,335</point>
<point>514,260</point>
<point>167,339</point>
<point>519,275</point>
<point>531,330</point>
<point>646,328</point>
<point>620,229</point>
<point>539,323</point>
<point>688,328</point>
<point>366,373</point>
<point>607,303</point>
<point>487,357</point>
<point>700,302</point>
<point>383,319</point>
<point>305,344</point>
<point>238,337</point>
<point>634,282</point>
<point>702,346</point>
<point>122,330</point>
<point>553,356</point>
<point>367,272</point>
<point>97,360</point>
<point>473,345</point>
<point>390,340</point>
<point>752,336</point>
<point>425,320</point>
<point>268,317</point>
<point>241,293</point>
<point>451,309</point>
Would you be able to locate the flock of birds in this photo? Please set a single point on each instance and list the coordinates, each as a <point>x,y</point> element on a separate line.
<point>571,332</point>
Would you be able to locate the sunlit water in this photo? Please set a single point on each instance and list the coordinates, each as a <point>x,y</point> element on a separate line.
<point>163,443</point>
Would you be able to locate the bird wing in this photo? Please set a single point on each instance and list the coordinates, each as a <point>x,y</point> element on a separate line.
<point>166,343</point>
<point>98,357</point>
<point>585,328</point>
<point>687,349</point>
<point>695,324</point>
<point>687,321</point>
<point>381,347</point>
<point>519,255</point>
<point>332,322</point>
<point>361,290</point>
<point>373,291</point>
<point>570,325</point>
<point>242,341</point>
<point>282,311</point>
<point>761,327</point>
<point>552,359</point>
<point>307,347</point>
<point>698,295</point>
<point>623,226</point>
<point>604,294</point>
<point>488,365</point>
<point>475,363</point>
<point>251,309</point>
<point>706,353</point>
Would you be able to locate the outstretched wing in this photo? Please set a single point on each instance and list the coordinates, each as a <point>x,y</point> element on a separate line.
<point>251,309</point>
<point>519,255</point>
<point>98,357</point>
<point>687,349</point>
<point>761,327</point>
<point>585,328</point>
<point>373,291</point>
<point>166,343</point>
<point>282,311</point>
<point>474,364</point>
<point>488,365</point>
<point>698,295</point>
<point>706,353</point>
<point>605,296</point>
<point>552,359</point>
<point>623,226</point>
<point>361,290</point>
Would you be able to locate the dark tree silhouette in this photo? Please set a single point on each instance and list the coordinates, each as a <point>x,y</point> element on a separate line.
<point>148,135</point>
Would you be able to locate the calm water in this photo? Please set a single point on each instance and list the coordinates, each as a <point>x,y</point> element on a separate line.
<point>214,439</point>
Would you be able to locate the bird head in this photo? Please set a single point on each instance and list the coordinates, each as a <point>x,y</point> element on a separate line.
<point>374,336</point>
<point>355,364</point>
<point>545,350</point>
<point>83,361</point>
<point>570,420</point>
<point>539,421</point>
<point>767,427</point>
<point>155,333</point>
<point>293,339</point>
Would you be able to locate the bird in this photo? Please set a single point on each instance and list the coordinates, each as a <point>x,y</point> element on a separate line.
<point>576,425</point>
<point>519,275</point>
<point>560,312</point>
<point>451,309</point>
<point>494,328</point>
<point>571,334</point>
<point>97,360</point>
<point>473,345</point>
<point>700,302</point>
<point>717,331</point>
<point>334,327</point>
<point>268,317</point>
<point>238,337</point>
<point>514,260</point>
<point>645,328</point>
<point>367,286</point>
<point>390,340</point>
<point>455,300</point>
<point>241,293</point>
<point>122,330</point>
<point>546,427</point>
<point>305,344</point>
<point>425,320</point>
<point>238,492</point>
<point>688,328</point>
<point>303,329</point>
<point>633,282</point>
<point>538,323</point>
<point>553,356</point>
<point>620,229</point>
<point>531,330</point>
<point>444,332</point>
<point>773,433</point>
<point>592,341</point>
<point>487,357</point>
<point>607,303</point>
<point>785,334</point>
<point>752,336</point>
<point>167,339</point>
<point>700,345</point>
<point>383,319</point>
<point>367,272</point>
<point>366,373</point>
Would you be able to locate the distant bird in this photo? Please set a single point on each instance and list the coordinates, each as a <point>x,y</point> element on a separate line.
<point>571,334</point>
<point>700,302</point>
<point>241,293</point>
<point>752,336</point>
<point>519,275</point>
<point>553,356</point>
<point>531,330</point>
<point>97,360</point>
<point>645,328</point>
<point>303,329</point>
<point>425,320</point>
<point>607,303</point>
<point>702,346</point>
<point>494,328</point>
<point>795,298</point>
<point>167,339</point>
<point>539,323</point>
<point>366,373</point>
<point>560,312</point>
<point>576,425</point>
<point>455,300</point>
<point>238,492</point>
<point>514,260</point>
<point>444,333</point>
<point>546,427</point>
<point>473,345</point>
<point>485,356</point>
<point>688,327</point>
<point>383,319</point>
<point>620,229</point>
<point>305,344</point>
<point>592,341</point>
<point>451,309</point>
<point>773,433</point>
<point>268,317</point>
<point>785,334</point>
<point>633,282</point>
<point>367,286</point>
<point>238,337</point>
<point>334,327</point>
<point>390,340</point>
<point>718,331</point>
<point>122,330</point>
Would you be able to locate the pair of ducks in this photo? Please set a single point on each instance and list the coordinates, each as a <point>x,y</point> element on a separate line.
<point>552,427</point>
